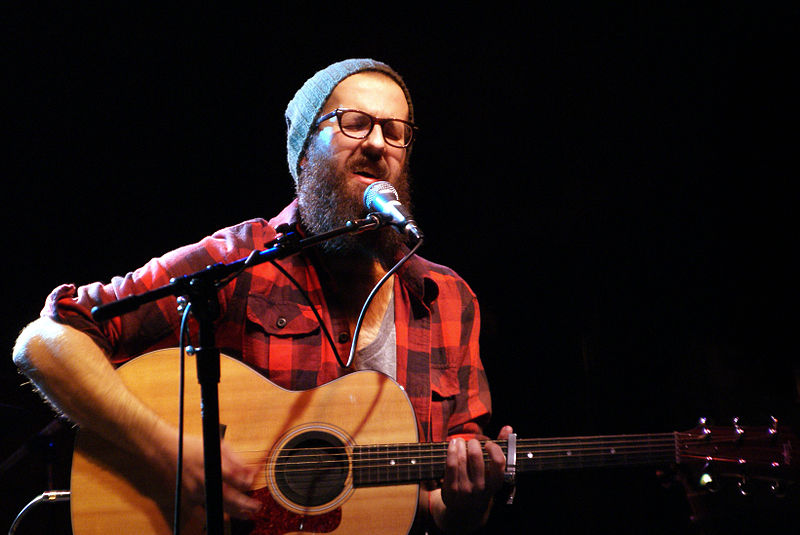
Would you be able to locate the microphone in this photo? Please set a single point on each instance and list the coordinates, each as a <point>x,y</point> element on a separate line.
<point>381,197</point>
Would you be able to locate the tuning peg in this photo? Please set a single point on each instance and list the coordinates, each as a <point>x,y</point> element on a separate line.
<point>773,428</point>
<point>704,430</point>
<point>744,486</point>
<point>778,488</point>
<point>738,429</point>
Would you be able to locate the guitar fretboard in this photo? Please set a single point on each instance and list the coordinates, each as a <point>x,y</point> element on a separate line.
<point>384,464</point>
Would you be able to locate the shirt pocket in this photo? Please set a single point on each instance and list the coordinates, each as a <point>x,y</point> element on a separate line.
<point>281,319</point>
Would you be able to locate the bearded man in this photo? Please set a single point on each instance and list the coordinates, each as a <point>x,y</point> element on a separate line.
<point>349,126</point>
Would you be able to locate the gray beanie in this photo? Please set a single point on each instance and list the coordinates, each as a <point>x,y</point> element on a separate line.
<point>303,109</point>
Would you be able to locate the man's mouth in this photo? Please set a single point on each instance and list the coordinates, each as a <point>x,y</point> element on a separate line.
<point>366,176</point>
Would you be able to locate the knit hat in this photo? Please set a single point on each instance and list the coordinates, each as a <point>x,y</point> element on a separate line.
<point>303,109</point>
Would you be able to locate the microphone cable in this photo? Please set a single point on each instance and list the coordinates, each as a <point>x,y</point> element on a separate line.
<point>371,296</point>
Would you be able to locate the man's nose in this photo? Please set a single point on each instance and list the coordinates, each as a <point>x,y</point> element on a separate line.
<point>374,142</point>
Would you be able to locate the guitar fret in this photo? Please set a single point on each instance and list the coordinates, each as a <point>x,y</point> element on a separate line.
<point>367,466</point>
<point>381,463</point>
<point>402,468</point>
<point>374,471</point>
<point>371,467</point>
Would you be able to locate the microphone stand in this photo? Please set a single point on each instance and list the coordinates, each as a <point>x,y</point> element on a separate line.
<point>200,289</point>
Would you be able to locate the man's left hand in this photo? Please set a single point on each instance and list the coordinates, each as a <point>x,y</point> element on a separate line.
<point>470,482</point>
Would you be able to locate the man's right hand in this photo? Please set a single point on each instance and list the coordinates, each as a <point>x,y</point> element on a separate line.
<point>237,478</point>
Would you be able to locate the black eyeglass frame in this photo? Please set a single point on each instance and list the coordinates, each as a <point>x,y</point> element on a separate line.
<point>373,120</point>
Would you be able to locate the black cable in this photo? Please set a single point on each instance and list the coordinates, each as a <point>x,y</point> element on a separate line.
<point>179,470</point>
<point>372,295</point>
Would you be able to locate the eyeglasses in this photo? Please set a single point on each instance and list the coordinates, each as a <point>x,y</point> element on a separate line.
<point>357,124</point>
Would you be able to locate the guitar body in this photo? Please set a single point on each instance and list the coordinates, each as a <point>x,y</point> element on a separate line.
<point>266,425</point>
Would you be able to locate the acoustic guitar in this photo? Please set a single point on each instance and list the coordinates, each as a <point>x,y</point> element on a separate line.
<point>344,458</point>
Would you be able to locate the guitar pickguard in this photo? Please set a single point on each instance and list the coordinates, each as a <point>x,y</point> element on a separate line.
<point>276,520</point>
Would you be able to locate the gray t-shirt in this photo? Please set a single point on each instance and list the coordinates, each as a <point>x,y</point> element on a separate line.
<point>381,354</point>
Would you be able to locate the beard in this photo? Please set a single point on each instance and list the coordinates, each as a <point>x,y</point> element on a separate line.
<point>327,201</point>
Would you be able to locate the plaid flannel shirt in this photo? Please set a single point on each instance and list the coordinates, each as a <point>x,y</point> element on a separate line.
<point>267,323</point>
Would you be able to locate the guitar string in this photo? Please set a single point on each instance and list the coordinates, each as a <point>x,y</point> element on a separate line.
<point>383,459</point>
<point>415,449</point>
<point>361,459</point>
<point>416,452</point>
<point>631,439</point>
<point>387,471</point>
<point>376,463</point>
<point>667,452</point>
<point>439,466</point>
<point>401,452</point>
<point>365,468</point>
<point>380,474</point>
<point>379,455</point>
<point>376,473</point>
<point>568,456</point>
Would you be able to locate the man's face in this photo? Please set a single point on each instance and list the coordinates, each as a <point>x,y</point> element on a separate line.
<point>336,169</point>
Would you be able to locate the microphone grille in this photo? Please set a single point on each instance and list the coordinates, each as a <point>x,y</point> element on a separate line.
<point>378,188</point>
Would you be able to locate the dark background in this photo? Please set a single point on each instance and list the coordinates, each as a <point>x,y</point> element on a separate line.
<point>615,184</point>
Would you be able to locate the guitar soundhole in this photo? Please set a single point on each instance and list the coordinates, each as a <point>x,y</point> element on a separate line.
<point>312,468</point>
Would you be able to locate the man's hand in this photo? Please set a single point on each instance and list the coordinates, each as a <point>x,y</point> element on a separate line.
<point>469,483</point>
<point>237,478</point>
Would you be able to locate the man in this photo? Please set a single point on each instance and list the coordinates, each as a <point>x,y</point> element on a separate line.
<point>350,125</point>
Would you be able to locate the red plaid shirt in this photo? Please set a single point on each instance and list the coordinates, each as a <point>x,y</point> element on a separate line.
<point>266,322</point>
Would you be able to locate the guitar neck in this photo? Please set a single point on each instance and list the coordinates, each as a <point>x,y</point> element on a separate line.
<point>388,464</point>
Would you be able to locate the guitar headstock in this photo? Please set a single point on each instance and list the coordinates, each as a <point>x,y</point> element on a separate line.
<point>761,453</point>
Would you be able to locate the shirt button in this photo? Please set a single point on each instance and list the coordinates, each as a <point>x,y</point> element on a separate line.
<point>344,337</point>
<point>281,323</point>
